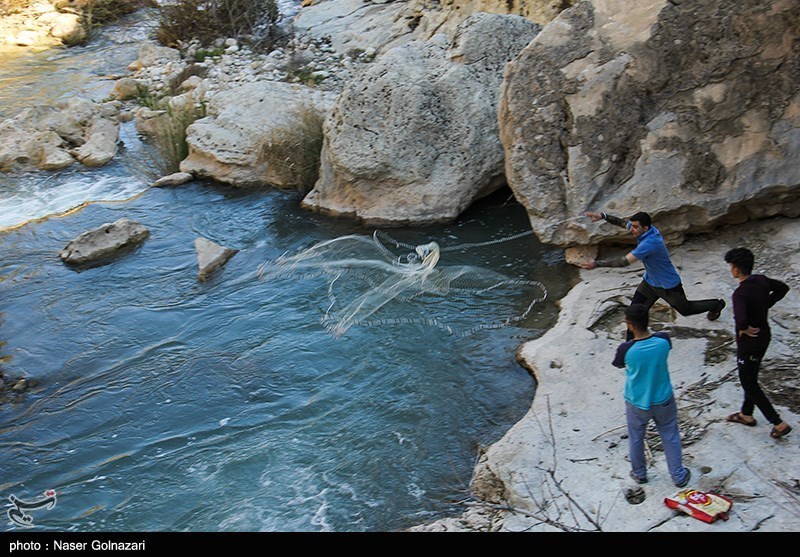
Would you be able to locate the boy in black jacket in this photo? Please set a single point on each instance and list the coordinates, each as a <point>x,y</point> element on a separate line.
<point>751,302</point>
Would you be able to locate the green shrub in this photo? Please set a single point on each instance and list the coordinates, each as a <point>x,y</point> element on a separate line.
<point>145,97</point>
<point>203,53</point>
<point>209,20</point>
<point>295,150</point>
<point>298,71</point>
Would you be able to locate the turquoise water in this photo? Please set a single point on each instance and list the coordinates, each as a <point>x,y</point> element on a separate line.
<point>165,404</point>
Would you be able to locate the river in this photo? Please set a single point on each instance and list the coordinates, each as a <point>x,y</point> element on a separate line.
<point>160,403</point>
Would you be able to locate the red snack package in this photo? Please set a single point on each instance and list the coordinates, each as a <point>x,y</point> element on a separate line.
<point>704,506</point>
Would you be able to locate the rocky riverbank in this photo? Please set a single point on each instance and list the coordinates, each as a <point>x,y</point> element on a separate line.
<point>41,25</point>
<point>564,465</point>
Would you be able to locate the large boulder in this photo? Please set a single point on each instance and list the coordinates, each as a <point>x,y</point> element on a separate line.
<point>415,138</point>
<point>68,28</point>
<point>104,242</point>
<point>687,110</point>
<point>380,25</point>
<point>52,137</point>
<point>233,143</point>
<point>127,88</point>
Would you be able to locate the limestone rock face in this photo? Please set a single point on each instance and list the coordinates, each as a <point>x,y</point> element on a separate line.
<point>414,139</point>
<point>210,256</point>
<point>380,25</point>
<point>103,242</point>
<point>433,16</point>
<point>52,137</point>
<point>232,143</point>
<point>354,24</point>
<point>687,110</point>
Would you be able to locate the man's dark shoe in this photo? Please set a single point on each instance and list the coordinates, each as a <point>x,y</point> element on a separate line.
<point>685,480</point>
<point>714,314</point>
<point>637,479</point>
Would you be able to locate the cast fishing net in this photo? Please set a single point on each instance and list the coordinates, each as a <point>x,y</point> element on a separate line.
<point>368,284</point>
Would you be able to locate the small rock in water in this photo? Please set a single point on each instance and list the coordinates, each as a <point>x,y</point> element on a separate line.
<point>210,256</point>
<point>176,179</point>
<point>104,241</point>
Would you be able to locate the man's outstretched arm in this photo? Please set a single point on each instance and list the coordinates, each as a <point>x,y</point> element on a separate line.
<point>610,219</point>
<point>616,261</point>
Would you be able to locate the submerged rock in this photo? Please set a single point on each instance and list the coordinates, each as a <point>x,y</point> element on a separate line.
<point>104,242</point>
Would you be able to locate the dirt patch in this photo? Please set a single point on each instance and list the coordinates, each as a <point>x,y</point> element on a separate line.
<point>720,345</point>
<point>611,318</point>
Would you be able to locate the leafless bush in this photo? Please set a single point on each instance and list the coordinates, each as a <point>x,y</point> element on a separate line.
<point>209,20</point>
<point>100,12</point>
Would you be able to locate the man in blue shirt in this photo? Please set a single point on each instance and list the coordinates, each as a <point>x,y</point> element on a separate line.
<point>648,395</point>
<point>661,280</point>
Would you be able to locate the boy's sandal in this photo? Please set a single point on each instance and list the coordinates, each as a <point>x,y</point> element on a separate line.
<point>776,433</point>
<point>736,417</point>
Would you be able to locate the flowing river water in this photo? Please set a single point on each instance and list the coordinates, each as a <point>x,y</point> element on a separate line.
<point>159,403</point>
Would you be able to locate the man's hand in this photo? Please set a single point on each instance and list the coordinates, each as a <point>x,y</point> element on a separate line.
<point>588,264</point>
<point>750,331</point>
<point>594,216</point>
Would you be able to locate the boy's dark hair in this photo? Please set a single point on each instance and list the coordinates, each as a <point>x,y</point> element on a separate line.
<point>638,316</point>
<point>742,259</point>
<point>642,218</point>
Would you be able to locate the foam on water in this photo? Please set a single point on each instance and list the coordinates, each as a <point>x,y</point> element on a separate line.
<point>39,198</point>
